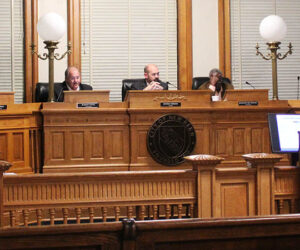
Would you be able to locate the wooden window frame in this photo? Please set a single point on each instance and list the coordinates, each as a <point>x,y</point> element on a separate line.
<point>224,37</point>
<point>185,43</point>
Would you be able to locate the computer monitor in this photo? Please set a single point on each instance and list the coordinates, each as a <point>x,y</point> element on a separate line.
<point>284,132</point>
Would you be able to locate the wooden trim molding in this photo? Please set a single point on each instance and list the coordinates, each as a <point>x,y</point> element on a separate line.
<point>74,33</point>
<point>185,44</point>
<point>31,37</point>
<point>224,37</point>
<point>28,61</point>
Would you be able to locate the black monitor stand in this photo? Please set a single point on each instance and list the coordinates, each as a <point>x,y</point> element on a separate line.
<point>298,160</point>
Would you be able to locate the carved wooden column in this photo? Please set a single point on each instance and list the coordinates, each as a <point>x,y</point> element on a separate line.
<point>264,164</point>
<point>4,166</point>
<point>205,165</point>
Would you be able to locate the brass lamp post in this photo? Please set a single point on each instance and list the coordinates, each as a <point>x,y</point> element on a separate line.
<point>51,27</point>
<point>273,29</point>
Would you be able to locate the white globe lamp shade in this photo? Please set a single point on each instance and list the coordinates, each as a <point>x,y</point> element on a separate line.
<point>273,28</point>
<point>51,27</point>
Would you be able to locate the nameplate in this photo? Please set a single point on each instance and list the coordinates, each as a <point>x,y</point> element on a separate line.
<point>3,107</point>
<point>245,103</point>
<point>88,105</point>
<point>170,104</point>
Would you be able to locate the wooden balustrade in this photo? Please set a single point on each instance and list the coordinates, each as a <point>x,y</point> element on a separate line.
<point>93,197</point>
<point>96,214</point>
<point>206,191</point>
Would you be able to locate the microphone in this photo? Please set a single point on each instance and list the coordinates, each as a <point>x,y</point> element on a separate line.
<point>168,83</point>
<point>298,78</point>
<point>171,84</point>
<point>248,83</point>
<point>60,92</point>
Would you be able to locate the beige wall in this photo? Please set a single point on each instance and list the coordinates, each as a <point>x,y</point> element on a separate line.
<point>205,36</point>
<point>60,7</point>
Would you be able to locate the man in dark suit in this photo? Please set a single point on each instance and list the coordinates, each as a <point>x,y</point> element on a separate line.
<point>72,83</point>
<point>151,81</point>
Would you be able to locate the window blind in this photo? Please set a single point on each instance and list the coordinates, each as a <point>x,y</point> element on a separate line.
<point>11,48</point>
<point>246,16</point>
<point>119,37</point>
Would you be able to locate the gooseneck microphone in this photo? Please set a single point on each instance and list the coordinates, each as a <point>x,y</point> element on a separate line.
<point>171,84</point>
<point>60,92</point>
<point>248,83</point>
<point>168,83</point>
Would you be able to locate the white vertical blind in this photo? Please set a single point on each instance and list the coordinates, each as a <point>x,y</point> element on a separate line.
<point>246,16</point>
<point>119,37</point>
<point>11,48</point>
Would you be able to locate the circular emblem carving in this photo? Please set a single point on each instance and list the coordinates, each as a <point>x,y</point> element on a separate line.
<point>171,138</point>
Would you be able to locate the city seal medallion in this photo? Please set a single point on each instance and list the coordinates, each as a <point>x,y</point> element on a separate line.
<point>170,138</point>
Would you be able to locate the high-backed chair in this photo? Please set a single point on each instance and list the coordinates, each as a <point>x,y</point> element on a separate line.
<point>198,81</point>
<point>126,85</point>
<point>41,92</point>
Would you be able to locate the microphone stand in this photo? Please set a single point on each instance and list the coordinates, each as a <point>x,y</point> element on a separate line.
<point>60,92</point>
<point>171,84</point>
<point>248,83</point>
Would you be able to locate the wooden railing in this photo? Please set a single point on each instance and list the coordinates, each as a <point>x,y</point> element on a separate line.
<point>93,197</point>
<point>204,192</point>
<point>269,232</point>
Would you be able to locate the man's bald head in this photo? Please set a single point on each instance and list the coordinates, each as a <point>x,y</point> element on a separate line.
<point>151,73</point>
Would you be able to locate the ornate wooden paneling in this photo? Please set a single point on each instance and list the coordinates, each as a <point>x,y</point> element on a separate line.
<point>222,128</point>
<point>222,138</point>
<point>57,142</point>
<point>202,137</point>
<point>85,139</point>
<point>3,146</point>
<point>234,140</point>
<point>17,124</point>
<point>96,139</point>
<point>257,140</point>
<point>235,196</point>
<point>116,143</point>
<point>239,141</point>
<point>142,141</point>
<point>18,142</point>
<point>77,145</point>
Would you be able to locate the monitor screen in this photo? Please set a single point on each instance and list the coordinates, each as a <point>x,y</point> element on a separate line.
<point>284,132</point>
